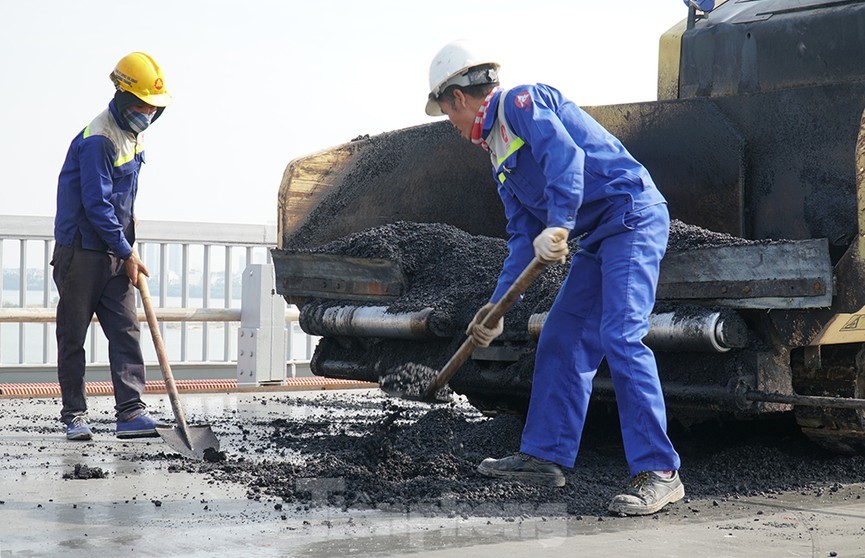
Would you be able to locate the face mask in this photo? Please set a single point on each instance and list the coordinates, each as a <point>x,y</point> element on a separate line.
<point>138,121</point>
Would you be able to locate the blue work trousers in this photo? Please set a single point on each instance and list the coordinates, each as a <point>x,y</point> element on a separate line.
<point>602,309</point>
<point>91,282</point>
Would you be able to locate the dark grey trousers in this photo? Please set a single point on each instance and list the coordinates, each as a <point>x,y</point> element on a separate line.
<point>96,282</point>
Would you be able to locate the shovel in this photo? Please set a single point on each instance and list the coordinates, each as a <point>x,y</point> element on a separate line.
<point>189,441</point>
<point>403,381</point>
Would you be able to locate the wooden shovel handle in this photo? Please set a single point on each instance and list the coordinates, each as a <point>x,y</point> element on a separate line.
<point>517,288</point>
<point>162,356</point>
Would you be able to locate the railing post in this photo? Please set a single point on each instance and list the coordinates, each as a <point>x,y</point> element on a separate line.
<point>261,336</point>
<point>22,298</point>
<point>47,281</point>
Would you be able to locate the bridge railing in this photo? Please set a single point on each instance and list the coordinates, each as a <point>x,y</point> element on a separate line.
<point>196,276</point>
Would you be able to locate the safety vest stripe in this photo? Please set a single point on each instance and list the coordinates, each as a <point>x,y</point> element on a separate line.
<point>123,160</point>
<point>516,143</point>
<point>505,144</point>
<point>120,161</point>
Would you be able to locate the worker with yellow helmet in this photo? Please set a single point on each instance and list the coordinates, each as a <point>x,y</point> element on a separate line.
<point>95,269</point>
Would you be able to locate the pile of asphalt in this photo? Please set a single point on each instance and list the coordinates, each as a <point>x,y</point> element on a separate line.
<point>455,273</point>
<point>370,452</point>
<point>446,269</point>
<point>689,237</point>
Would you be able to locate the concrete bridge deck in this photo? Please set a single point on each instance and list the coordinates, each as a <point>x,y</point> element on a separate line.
<point>149,504</point>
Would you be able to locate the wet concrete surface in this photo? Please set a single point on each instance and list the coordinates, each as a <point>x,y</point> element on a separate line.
<point>759,490</point>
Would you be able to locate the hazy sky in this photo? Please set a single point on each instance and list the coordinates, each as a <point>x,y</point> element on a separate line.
<point>258,83</point>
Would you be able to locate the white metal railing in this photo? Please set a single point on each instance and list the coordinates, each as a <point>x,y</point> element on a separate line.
<point>195,271</point>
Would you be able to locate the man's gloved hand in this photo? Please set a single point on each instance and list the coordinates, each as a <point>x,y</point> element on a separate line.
<point>551,245</point>
<point>483,336</point>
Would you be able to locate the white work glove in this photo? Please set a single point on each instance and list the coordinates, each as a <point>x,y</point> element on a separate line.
<point>551,245</point>
<point>483,336</point>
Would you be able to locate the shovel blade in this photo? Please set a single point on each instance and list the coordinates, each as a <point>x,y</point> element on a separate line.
<point>201,439</point>
<point>411,381</point>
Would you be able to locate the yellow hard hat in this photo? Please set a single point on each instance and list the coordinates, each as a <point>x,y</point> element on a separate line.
<point>140,75</point>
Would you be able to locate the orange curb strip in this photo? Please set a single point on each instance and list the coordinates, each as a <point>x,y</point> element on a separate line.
<point>189,386</point>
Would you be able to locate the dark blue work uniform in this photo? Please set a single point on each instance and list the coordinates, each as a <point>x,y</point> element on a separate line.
<point>94,231</point>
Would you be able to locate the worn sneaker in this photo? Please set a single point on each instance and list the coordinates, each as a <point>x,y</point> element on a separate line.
<point>648,493</point>
<point>523,467</point>
<point>78,429</point>
<point>142,426</point>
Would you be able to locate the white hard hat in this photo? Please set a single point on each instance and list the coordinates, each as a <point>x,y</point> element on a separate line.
<point>451,67</point>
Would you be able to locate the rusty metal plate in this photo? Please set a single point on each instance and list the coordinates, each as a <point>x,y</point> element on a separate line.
<point>330,276</point>
<point>781,274</point>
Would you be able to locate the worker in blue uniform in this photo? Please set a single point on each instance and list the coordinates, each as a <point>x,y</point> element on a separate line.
<point>562,176</point>
<point>95,268</point>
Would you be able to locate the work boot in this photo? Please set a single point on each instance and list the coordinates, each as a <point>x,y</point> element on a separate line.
<point>141,426</point>
<point>648,493</point>
<point>78,429</point>
<point>525,468</point>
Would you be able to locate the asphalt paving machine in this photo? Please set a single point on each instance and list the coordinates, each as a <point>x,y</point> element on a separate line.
<point>757,133</point>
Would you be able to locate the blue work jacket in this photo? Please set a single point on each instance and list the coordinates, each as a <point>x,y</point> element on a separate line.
<point>97,187</point>
<point>560,168</point>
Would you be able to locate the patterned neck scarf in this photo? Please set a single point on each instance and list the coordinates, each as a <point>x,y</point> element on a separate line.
<point>138,121</point>
<point>478,128</point>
